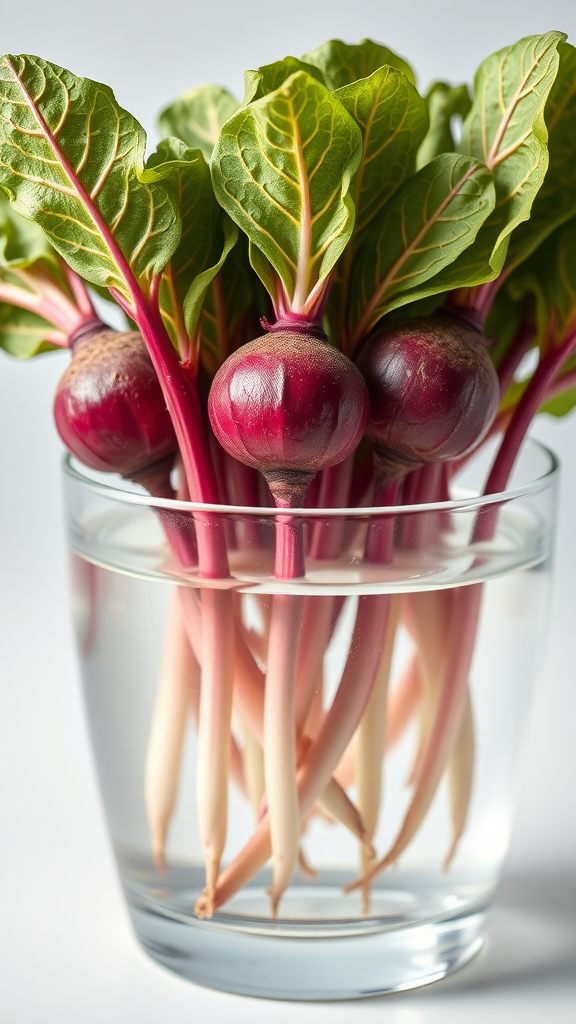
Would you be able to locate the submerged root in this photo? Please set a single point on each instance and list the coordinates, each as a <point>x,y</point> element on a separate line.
<point>307,872</point>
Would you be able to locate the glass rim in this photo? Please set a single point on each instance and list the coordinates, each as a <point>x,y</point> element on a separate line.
<point>73,469</point>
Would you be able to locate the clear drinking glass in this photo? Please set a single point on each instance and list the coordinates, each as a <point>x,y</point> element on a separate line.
<point>420,918</point>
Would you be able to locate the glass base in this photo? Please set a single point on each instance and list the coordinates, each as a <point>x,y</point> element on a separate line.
<point>322,958</point>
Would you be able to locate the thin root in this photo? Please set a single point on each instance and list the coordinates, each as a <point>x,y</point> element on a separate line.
<point>204,907</point>
<point>160,861</point>
<point>274,903</point>
<point>306,870</point>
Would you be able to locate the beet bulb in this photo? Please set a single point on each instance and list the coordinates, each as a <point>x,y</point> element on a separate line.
<point>109,407</point>
<point>433,391</point>
<point>288,404</point>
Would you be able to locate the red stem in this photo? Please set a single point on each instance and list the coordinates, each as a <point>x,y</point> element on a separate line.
<point>289,558</point>
<point>563,382</point>
<point>521,344</point>
<point>380,537</point>
<point>531,400</point>
<point>317,614</point>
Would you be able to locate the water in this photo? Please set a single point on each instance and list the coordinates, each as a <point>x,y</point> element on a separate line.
<point>421,921</point>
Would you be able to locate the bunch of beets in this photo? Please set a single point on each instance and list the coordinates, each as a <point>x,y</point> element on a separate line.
<point>330,300</point>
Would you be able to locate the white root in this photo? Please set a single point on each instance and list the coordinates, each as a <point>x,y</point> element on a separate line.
<point>306,870</point>
<point>460,778</point>
<point>428,616</point>
<point>253,762</point>
<point>342,720</point>
<point>179,677</point>
<point>249,703</point>
<point>214,728</point>
<point>403,702</point>
<point>370,751</point>
<point>450,712</point>
<point>280,743</point>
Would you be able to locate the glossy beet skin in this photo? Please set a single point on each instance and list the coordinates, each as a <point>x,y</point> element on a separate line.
<point>433,390</point>
<point>288,404</point>
<point>109,408</point>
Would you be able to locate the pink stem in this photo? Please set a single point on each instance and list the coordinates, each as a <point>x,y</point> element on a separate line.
<point>213,753</point>
<point>65,319</point>
<point>562,383</point>
<point>289,560</point>
<point>326,543</point>
<point>78,290</point>
<point>524,413</point>
<point>480,297</point>
<point>243,488</point>
<point>362,480</point>
<point>334,492</point>
<point>380,537</point>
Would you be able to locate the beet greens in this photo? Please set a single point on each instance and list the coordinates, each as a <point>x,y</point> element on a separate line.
<point>333,210</point>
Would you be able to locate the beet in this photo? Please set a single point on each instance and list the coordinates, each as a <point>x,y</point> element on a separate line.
<point>288,404</point>
<point>433,391</point>
<point>109,407</point>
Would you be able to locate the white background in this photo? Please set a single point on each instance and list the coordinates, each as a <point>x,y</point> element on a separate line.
<point>66,954</point>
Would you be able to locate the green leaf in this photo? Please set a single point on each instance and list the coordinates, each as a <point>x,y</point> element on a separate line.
<point>22,243</point>
<point>23,334</point>
<point>392,118</point>
<point>527,285</point>
<point>197,116</point>
<point>550,276</point>
<point>232,297</point>
<point>71,160</point>
<point>556,199</point>
<point>207,234</point>
<point>502,323</point>
<point>270,77</point>
<point>32,278</point>
<point>197,291</point>
<point>430,220</point>
<point>505,129</point>
<point>444,102</point>
<point>344,63</point>
<point>561,404</point>
<point>558,276</point>
<point>282,169</point>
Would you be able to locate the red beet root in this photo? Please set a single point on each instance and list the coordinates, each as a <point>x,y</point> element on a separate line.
<point>288,404</point>
<point>433,391</point>
<point>109,408</point>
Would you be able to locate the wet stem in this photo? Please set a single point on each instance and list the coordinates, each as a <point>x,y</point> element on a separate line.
<point>180,387</point>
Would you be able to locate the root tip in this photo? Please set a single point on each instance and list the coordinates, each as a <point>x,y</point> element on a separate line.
<point>367,847</point>
<point>160,861</point>
<point>204,907</point>
<point>447,862</point>
<point>306,871</point>
<point>274,903</point>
